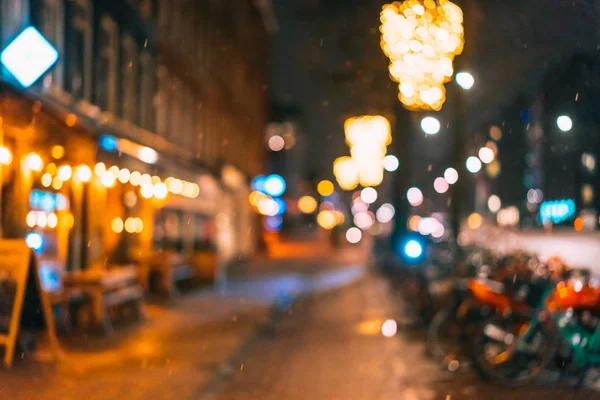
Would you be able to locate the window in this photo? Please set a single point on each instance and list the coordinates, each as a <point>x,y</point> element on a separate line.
<point>198,130</point>
<point>147,92</point>
<point>79,49</point>
<point>52,26</point>
<point>175,113</point>
<point>13,13</point>
<point>129,66</point>
<point>106,85</point>
<point>164,17</point>
<point>161,103</point>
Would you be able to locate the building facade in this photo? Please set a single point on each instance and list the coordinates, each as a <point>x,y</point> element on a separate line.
<point>548,146</point>
<point>142,137</point>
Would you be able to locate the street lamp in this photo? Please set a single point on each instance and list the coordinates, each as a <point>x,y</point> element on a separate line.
<point>430,125</point>
<point>564,123</point>
<point>465,80</point>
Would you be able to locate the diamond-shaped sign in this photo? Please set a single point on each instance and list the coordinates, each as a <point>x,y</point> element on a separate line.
<point>29,56</point>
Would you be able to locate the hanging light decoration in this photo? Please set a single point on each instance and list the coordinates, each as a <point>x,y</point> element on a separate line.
<point>346,173</point>
<point>368,137</point>
<point>421,39</point>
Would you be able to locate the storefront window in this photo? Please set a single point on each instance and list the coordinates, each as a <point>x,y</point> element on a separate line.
<point>168,232</point>
<point>46,207</point>
<point>204,235</point>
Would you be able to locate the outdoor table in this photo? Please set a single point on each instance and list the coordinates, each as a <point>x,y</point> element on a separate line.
<point>106,288</point>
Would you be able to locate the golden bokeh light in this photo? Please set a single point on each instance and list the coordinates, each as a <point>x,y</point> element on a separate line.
<point>255,198</point>
<point>325,188</point>
<point>146,179</point>
<point>413,223</point>
<point>368,137</point>
<point>41,219</point>
<point>52,169</point>
<point>346,173</point>
<point>64,173</point>
<point>58,152</point>
<point>147,190</point>
<point>307,204</point>
<point>52,220</point>
<point>31,219</point>
<point>130,225</point>
<point>139,225</point>
<point>160,190</point>
<point>46,180</point>
<point>99,169</point>
<point>421,39</point>
<point>124,175</point>
<point>175,186</point>
<point>135,178</point>
<point>108,179</point>
<point>5,155</point>
<point>327,219</point>
<point>57,183</point>
<point>84,174</point>
<point>117,225</point>
<point>71,120</point>
<point>475,221</point>
<point>34,162</point>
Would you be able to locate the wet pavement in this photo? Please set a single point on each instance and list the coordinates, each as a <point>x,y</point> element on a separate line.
<point>304,329</point>
<point>331,347</point>
<point>184,343</point>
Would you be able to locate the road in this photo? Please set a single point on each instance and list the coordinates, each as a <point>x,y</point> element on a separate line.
<point>331,347</point>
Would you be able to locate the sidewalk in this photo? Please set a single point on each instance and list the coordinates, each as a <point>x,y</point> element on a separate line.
<point>181,346</point>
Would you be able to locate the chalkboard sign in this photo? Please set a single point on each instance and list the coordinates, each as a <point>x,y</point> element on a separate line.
<point>18,266</point>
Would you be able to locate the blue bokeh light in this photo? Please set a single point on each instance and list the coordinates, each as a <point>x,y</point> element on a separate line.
<point>281,205</point>
<point>273,223</point>
<point>34,241</point>
<point>274,185</point>
<point>109,143</point>
<point>258,183</point>
<point>413,249</point>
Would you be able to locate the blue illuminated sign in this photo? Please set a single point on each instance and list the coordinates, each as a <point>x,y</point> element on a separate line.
<point>47,201</point>
<point>557,211</point>
<point>29,56</point>
<point>109,143</point>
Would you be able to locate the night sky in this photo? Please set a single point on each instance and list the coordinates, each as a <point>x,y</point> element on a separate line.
<point>326,60</point>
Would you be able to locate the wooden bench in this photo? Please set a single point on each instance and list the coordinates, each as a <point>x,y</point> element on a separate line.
<point>107,288</point>
<point>171,268</point>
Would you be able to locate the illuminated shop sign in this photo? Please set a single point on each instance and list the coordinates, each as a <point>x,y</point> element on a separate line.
<point>557,211</point>
<point>48,201</point>
<point>29,56</point>
<point>142,153</point>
